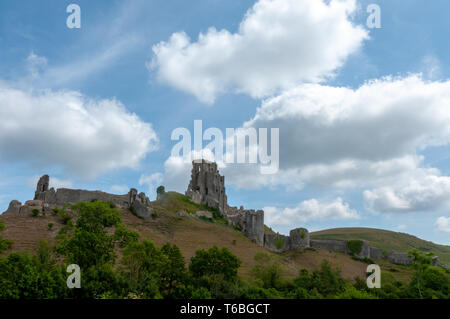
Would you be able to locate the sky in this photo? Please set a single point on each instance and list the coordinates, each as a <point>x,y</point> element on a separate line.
<point>363,113</point>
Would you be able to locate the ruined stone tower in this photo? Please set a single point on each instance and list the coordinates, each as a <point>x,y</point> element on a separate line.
<point>207,186</point>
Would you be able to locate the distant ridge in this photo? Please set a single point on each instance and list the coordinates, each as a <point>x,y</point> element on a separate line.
<point>386,240</point>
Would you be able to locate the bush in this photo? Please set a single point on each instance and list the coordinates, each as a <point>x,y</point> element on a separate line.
<point>355,246</point>
<point>65,218</point>
<point>50,226</point>
<point>35,212</point>
<point>160,190</point>
<point>268,271</point>
<point>154,214</point>
<point>279,242</point>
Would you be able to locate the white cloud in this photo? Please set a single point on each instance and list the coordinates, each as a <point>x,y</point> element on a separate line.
<point>65,128</point>
<point>152,181</point>
<point>347,138</point>
<point>344,138</point>
<point>443,224</point>
<point>309,210</point>
<point>401,227</point>
<point>280,44</point>
<point>418,193</point>
<point>120,189</point>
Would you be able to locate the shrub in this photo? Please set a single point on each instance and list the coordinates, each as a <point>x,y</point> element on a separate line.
<point>279,242</point>
<point>238,227</point>
<point>206,219</point>
<point>355,246</point>
<point>160,190</point>
<point>50,226</point>
<point>154,214</point>
<point>35,212</point>
<point>65,218</point>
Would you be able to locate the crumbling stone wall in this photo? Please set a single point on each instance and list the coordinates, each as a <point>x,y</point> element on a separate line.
<point>399,258</point>
<point>335,245</point>
<point>47,198</point>
<point>298,238</point>
<point>376,253</point>
<point>276,242</point>
<point>250,222</point>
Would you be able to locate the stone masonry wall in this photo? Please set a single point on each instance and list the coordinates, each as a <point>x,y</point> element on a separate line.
<point>47,198</point>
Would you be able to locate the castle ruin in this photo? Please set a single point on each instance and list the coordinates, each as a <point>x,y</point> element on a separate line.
<point>46,198</point>
<point>207,187</point>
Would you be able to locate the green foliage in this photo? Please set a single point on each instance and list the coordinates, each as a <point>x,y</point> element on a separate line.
<point>160,190</point>
<point>355,246</point>
<point>50,226</point>
<point>154,214</point>
<point>323,283</point>
<point>26,277</point>
<point>4,244</point>
<point>206,219</point>
<point>35,212</point>
<point>123,236</point>
<point>214,261</point>
<point>279,242</point>
<point>238,227</point>
<point>268,271</point>
<point>173,275</point>
<point>90,244</point>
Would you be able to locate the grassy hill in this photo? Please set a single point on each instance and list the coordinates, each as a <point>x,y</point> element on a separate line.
<point>191,234</point>
<point>386,240</point>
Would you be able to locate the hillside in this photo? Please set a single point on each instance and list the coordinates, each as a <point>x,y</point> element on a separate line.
<point>385,240</point>
<point>189,234</point>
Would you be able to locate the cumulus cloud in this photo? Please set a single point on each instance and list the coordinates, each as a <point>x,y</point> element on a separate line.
<point>310,210</point>
<point>369,136</point>
<point>443,224</point>
<point>344,138</point>
<point>279,44</point>
<point>415,194</point>
<point>67,129</point>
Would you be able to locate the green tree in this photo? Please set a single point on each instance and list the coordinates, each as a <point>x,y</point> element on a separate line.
<point>160,190</point>
<point>214,261</point>
<point>90,244</point>
<point>32,277</point>
<point>141,265</point>
<point>173,275</point>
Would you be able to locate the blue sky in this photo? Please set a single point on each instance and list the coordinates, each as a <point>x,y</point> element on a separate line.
<point>394,134</point>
